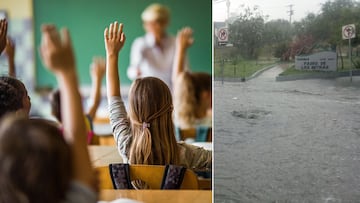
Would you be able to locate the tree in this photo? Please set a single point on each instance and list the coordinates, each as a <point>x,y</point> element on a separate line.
<point>326,27</point>
<point>246,32</point>
<point>277,31</point>
<point>277,37</point>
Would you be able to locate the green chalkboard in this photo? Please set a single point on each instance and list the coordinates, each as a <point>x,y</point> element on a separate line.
<point>86,20</point>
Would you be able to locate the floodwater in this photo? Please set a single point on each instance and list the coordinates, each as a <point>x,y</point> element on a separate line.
<point>296,141</point>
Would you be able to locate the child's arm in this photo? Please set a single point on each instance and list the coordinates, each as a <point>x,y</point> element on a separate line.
<point>3,34</point>
<point>10,52</point>
<point>114,41</point>
<point>97,72</point>
<point>57,55</point>
<point>184,40</point>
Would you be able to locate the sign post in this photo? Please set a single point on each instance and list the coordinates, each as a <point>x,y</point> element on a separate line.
<point>222,61</point>
<point>348,32</point>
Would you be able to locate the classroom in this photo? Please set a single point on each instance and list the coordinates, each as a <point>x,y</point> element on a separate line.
<point>106,101</point>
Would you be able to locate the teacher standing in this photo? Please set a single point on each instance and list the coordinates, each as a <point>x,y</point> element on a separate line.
<point>153,53</point>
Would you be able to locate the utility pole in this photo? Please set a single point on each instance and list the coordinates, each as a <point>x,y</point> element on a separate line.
<point>290,11</point>
<point>228,11</point>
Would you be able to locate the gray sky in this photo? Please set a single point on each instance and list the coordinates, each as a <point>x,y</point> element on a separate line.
<point>274,8</point>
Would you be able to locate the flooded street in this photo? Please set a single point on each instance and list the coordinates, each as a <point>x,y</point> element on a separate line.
<point>296,141</point>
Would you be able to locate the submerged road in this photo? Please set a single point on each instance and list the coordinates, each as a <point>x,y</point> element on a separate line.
<point>296,141</point>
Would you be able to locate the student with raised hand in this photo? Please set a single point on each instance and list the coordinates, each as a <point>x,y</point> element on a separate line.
<point>10,53</point>
<point>14,97</point>
<point>192,90</point>
<point>146,135</point>
<point>97,72</point>
<point>57,55</point>
<point>3,34</point>
<point>38,163</point>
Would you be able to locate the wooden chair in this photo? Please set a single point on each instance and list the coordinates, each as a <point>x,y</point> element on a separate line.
<point>191,133</point>
<point>103,139</point>
<point>106,140</point>
<point>151,174</point>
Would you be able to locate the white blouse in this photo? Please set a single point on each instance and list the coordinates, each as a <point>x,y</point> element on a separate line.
<point>151,60</point>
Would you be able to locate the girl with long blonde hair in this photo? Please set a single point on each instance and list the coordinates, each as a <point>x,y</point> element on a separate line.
<point>146,135</point>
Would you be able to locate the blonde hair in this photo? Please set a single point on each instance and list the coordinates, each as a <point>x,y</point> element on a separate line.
<point>155,12</point>
<point>150,114</point>
<point>187,96</point>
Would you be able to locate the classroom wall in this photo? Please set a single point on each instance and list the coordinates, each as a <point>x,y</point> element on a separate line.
<point>20,29</point>
<point>86,20</point>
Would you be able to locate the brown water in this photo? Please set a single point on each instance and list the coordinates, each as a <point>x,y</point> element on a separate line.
<point>296,141</point>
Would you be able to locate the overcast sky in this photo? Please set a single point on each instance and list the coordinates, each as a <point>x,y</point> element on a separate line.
<point>274,8</point>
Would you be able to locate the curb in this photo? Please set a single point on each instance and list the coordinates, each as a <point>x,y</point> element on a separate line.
<point>237,79</point>
<point>257,73</point>
<point>307,76</point>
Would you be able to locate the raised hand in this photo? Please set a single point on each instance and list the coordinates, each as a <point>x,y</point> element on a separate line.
<point>10,52</point>
<point>3,33</point>
<point>10,48</point>
<point>57,55</point>
<point>114,38</point>
<point>97,68</point>
<point>184,38</point>
<point>97,72</point>
<point>56,52</point>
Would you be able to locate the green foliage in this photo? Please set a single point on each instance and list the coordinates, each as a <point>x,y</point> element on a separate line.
<point>254,37</point>
<point>281,49</point>
<point>277,32</point>
<point>240,68</point>
<point>246,32</point>
<point>356,63</point>
<point>326,27</point>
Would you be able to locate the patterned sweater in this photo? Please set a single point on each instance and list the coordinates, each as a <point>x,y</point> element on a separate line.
<point>192,157</point>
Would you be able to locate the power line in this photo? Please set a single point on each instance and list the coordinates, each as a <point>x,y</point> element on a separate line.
<point>290,11</point>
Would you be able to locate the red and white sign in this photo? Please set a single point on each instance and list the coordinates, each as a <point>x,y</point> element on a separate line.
<point>348,31</point>
<point>223,35</point>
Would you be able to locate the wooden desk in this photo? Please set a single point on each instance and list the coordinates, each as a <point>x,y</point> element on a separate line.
<point>205,145</point>
<point>104,155</point>
<point>102,129</point>
<point>159,196</point>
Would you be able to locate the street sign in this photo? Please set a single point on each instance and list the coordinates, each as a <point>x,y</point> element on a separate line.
<point>348,31</point>
<point>223,35</point>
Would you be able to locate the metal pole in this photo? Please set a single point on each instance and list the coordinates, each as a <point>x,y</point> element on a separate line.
<point>234,70</point>
<point>222,71</point>
<point>350,59</point>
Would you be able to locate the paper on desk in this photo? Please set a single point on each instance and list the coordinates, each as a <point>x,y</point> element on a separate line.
<point>121,200</point>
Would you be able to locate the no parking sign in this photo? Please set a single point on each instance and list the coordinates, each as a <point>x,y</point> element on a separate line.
<point>223,35</point>
<point>348,31</point>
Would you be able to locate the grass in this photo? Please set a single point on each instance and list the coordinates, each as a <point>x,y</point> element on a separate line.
<point>242,69</point>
